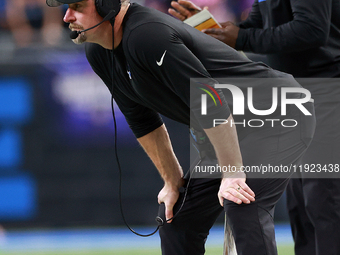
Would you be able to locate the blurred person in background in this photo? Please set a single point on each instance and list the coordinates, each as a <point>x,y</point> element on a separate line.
<point>31,21</point>
<point>300,37</point>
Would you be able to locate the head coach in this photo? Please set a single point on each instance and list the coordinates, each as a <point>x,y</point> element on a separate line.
<point>146,59</point>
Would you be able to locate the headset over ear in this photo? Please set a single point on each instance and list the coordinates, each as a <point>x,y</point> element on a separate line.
<point>105,6</point>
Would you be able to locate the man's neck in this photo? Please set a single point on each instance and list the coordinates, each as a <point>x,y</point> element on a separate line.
<point>118,30</point>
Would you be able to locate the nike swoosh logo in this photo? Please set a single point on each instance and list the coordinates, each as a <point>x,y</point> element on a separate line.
<point>161,60</point>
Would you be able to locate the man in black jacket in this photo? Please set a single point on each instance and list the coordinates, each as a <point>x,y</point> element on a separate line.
<point>147,67</point>
<point>300,37</point>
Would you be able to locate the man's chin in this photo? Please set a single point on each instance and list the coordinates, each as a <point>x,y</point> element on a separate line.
<point>76,41</point>
<point>80,39</point>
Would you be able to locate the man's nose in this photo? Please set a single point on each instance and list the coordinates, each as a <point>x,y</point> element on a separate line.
<point>69,16</point>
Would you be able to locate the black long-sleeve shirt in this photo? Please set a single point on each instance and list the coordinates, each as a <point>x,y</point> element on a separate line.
<point>154,63</point>
<point>300,37</point>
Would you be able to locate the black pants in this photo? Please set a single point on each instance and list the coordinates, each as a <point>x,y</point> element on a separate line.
<point>252,224</point>
<point>314,203</point>
<point>314,211</point>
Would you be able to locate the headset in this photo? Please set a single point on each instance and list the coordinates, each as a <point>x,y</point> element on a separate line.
<point>104,7</point>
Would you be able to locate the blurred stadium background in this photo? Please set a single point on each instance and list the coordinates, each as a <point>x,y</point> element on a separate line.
<point>58,176</point>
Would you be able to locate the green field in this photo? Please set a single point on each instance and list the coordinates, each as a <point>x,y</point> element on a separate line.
<point>283,250</point>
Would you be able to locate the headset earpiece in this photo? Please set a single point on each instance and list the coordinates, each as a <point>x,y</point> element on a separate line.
<point>105,6</point>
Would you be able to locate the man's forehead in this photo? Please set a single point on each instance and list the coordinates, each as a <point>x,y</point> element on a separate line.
<point>81,1</point>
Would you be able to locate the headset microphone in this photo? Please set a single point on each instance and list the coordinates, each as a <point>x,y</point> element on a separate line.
<point>110,15</point>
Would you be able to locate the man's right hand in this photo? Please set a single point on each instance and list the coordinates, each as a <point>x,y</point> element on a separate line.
<point>169,195</point>
<point>183,9</point>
